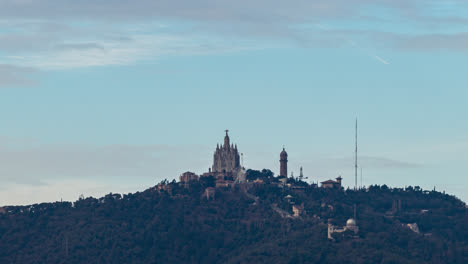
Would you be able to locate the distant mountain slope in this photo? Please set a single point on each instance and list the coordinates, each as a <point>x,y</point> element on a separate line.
<point>174,224</point>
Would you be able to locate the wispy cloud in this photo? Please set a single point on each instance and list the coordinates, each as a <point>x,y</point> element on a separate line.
<point>53,34</point>
<point>101,46</point>
<point>210,10</point>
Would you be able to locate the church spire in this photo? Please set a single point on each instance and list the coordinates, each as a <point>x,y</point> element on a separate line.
<point>226,139</point>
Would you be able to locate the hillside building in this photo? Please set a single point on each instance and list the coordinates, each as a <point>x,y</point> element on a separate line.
<point>332,183</point>
<point>188,176</point>
<point>350,225</point>
<point>210,193</point>
<point>298,210</point>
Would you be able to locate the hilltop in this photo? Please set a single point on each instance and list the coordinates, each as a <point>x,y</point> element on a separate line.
<point>193,222</point>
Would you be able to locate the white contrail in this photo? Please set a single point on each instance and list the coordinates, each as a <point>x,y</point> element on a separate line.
<point>381,60</point>
<point>354,44</point>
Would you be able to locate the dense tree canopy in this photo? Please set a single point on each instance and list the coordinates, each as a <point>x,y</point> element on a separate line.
<point>174,223</point>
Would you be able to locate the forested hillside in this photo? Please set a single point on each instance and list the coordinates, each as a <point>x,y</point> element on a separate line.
<point>175,223</point>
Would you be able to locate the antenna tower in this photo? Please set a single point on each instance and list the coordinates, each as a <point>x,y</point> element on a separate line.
<point>355,162</point>
<point>242,160</point>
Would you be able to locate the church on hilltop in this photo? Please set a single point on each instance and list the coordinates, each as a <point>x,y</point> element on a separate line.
<point>226,158</point>
<point>226,167</point>
<point>228,170</point>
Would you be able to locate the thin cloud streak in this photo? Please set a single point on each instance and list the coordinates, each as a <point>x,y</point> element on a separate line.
<point>381,60</point>
<point>352,43</point>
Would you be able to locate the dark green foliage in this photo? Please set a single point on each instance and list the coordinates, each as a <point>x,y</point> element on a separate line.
<point>265,175</point>
<point>180,226</point>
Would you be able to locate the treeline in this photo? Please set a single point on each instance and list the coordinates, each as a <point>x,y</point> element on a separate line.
<point>174,223</point>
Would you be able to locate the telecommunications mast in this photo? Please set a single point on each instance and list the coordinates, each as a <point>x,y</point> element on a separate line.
<point>355,162</point>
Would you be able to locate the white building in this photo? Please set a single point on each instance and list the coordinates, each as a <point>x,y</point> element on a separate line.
<point>350,225</point>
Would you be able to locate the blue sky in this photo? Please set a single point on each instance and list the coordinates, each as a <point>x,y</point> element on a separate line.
<point>115,96</point>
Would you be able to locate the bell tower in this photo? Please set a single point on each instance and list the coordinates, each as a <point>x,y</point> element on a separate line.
<point>284,163</point>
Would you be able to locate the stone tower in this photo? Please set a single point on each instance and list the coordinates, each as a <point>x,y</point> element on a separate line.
<point>226,157</point>
<point>284,163</point>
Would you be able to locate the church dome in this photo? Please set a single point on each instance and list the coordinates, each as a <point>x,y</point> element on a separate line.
<point>351,222</point>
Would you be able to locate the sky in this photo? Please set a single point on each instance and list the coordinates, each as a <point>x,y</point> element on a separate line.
<point>116,96</point>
